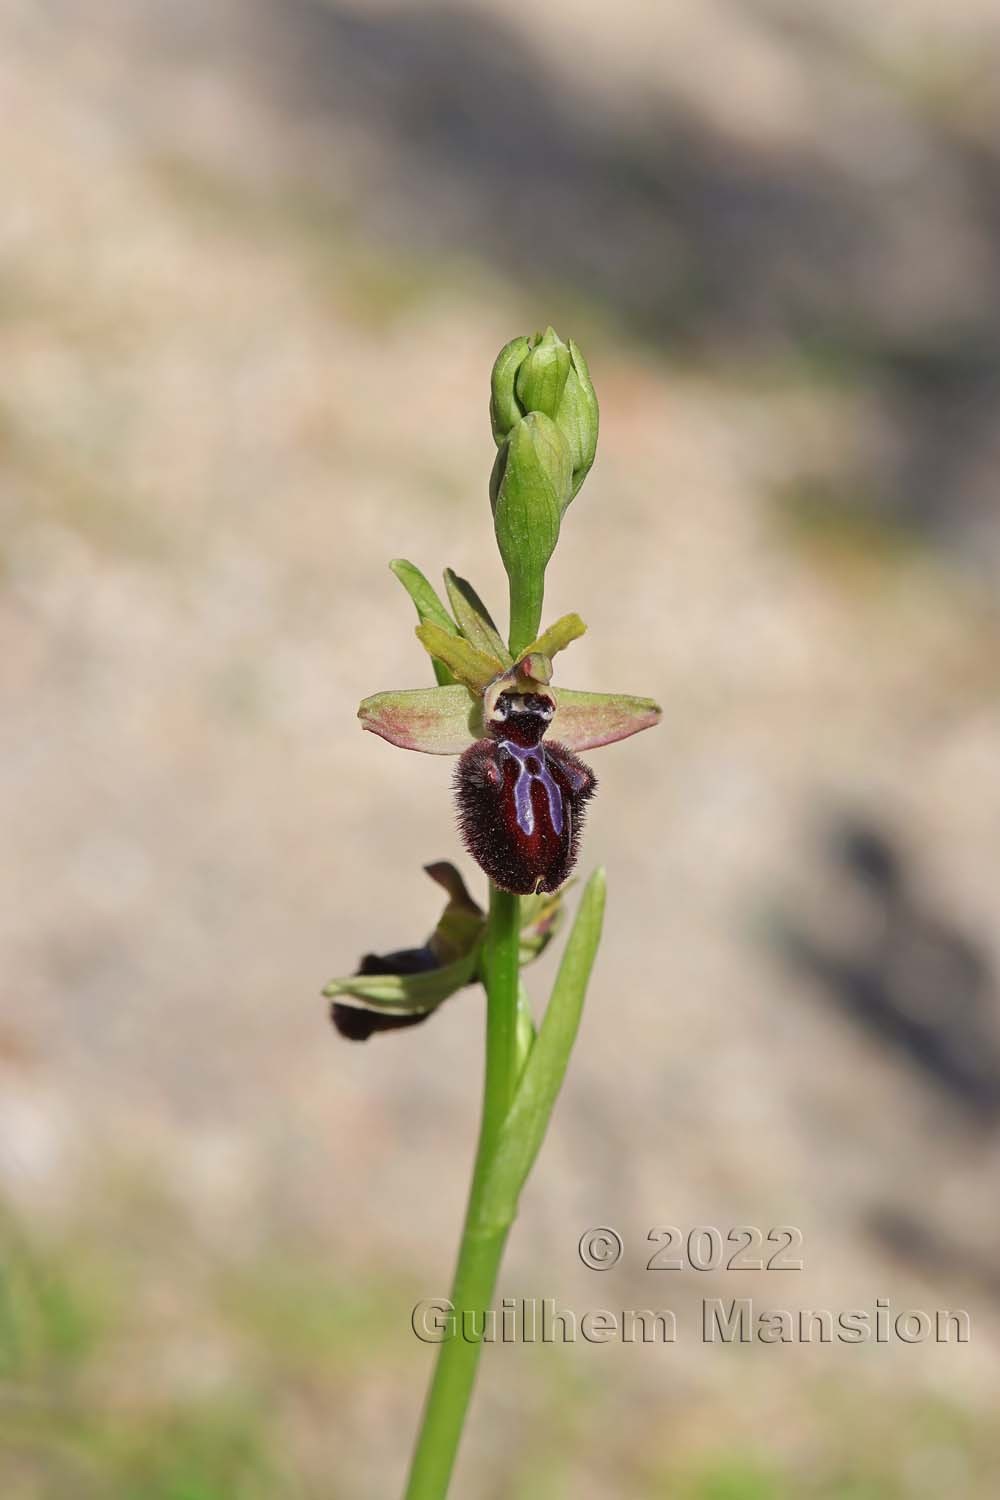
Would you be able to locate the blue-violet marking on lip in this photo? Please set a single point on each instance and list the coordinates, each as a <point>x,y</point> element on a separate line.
<point>520,802</point>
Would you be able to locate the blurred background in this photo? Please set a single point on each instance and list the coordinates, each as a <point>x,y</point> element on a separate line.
<point>255,261</point>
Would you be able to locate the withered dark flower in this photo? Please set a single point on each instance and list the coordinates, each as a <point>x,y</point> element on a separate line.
<point>357,1025</point>
<point>390,991</point>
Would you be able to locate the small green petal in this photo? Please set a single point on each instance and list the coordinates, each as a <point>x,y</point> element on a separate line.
<point>428,606</point>
<point>585,720</point>
<point>464,660</point>
<point>557,637</point>
<point>474,619</point>
<point>405,994</point>
<point>438,721</point>
<point>534,668</point>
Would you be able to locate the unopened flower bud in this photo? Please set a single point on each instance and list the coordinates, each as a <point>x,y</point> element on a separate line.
<point>543,374</point>
<point>530,488</point>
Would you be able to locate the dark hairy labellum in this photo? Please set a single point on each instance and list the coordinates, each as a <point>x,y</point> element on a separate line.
<point>521,802</point>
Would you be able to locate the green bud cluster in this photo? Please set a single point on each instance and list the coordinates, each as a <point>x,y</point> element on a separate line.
<point>544,416</point>
<point>542,374</point>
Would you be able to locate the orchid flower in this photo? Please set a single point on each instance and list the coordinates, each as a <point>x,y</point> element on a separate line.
<point>520,798</point>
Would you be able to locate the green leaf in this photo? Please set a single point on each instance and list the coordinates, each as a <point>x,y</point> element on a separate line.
<point>557,637</point>
<point>405,994</point>
<point>438,720</point>
<point>524,1036</point>
<point>428,605</point>
<point>474,619</point>
<point>465,661</point>
<point>585,720</point>
<point>524,1129</point>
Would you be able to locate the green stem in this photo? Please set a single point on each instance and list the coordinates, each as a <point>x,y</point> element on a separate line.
<point>482,1244</point>
<point>526,595</point>
<point>501,961</point>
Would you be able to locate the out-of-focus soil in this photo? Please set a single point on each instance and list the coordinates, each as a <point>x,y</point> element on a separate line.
<point>254,273</point>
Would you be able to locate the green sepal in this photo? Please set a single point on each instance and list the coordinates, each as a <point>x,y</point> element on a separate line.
<point>405,994</point>
<point>460,926</point>
<point>579,418</point>
<point>475,668</point>
<point>474,619</point>
<point>504,408</point>
<point>524,1128</point>
<point>437,721</point>
<point>585,720</point>
<point>429,607</point>
<point>557,637</point>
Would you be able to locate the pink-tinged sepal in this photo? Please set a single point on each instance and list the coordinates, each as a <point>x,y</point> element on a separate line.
<point>446,720</point>
<point>438,721</point>
<point>584,721</point>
